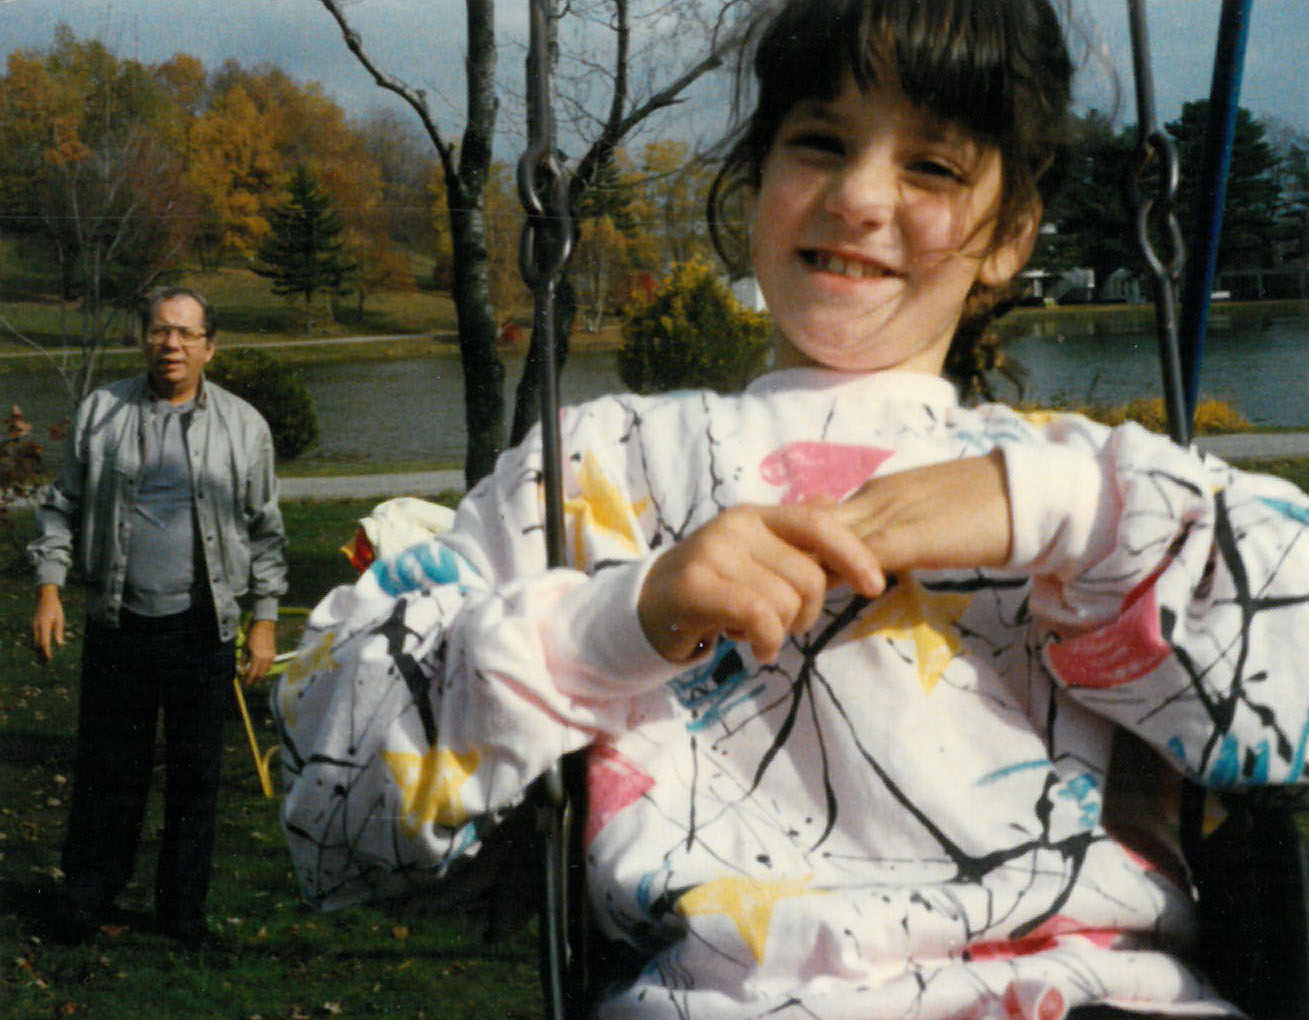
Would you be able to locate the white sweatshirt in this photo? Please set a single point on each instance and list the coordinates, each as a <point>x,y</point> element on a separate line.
<point>909,813</point>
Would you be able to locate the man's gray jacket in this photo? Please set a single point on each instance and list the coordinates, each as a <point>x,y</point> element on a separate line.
<point>233,488</point>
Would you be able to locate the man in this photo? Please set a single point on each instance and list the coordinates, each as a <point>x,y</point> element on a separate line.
<point>167,493</point>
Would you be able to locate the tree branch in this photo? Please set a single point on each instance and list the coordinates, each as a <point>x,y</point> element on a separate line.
<point>415,98</point>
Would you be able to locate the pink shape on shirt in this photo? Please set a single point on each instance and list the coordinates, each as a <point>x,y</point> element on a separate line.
<point>1042,938</point>
<point>613,781</point>
<point>811,470</point>
<point>1123,650</point>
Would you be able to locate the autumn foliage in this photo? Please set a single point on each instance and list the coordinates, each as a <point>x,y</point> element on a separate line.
<point>22,467</point>
<point>133,170</point>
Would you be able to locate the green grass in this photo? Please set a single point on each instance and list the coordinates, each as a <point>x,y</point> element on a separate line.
<point>280,960</point>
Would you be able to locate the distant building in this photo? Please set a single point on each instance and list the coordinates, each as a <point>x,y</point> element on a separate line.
<point>746,291</point>
<point>1122,286</point>
<point>1069,286</point>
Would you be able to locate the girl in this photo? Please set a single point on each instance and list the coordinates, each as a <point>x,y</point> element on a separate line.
<point>847,658</point>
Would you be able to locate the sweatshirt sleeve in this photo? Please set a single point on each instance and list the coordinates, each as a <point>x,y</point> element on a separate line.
<point>427,697</point>
<point>1170,592</point>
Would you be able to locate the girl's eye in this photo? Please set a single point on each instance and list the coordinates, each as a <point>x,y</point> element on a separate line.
<point>938,169</point>
<point>816,141</point>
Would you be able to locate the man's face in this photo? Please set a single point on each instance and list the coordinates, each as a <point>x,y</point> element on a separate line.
<point>176,348</point>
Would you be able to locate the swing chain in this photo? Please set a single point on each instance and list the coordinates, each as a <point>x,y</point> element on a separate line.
<point>1156,214</point>
<point>546,241</point>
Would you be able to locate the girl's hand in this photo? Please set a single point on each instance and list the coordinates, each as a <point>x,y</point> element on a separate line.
<point>755,574</point>
<point>950,515</point>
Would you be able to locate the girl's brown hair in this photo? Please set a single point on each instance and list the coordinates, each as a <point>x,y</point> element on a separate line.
<point>999,69</point>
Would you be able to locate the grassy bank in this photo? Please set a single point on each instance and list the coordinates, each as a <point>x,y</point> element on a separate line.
<point>279,960</point>
<point>422,320</point>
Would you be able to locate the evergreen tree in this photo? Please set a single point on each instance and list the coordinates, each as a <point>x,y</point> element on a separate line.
<point>1293,211</point>
<point>1090,211</point>
<point>1250,212</point>
<point>303,252</point>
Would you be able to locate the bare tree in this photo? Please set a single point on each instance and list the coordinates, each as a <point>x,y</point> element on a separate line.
<point>620,71</point>
<point>114,221</point>
<point>625,63</point>
<point>465,167</point>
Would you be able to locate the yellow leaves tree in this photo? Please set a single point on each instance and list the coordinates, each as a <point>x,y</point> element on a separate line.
<point>235,172</point>
<point>90,187</point>
<point>675,186</point>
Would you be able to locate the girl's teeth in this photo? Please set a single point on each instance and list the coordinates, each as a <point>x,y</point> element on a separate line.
<point>844,267</point>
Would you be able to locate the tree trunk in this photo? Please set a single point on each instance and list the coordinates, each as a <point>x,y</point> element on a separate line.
<point>484,373</point>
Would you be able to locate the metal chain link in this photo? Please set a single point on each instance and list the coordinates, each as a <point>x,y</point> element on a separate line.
<point>1156,215</point>
<point>543,253</point>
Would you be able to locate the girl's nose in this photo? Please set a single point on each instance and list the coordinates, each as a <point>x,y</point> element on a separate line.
<point>863,192</point>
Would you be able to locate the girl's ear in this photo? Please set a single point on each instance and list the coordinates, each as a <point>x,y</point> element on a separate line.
<point>1004,261</point>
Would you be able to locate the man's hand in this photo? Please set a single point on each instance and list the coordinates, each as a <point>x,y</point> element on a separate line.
<point>755,574</point>
<point>950,515</point>
<point>260,648</point>
<point>47,621</point>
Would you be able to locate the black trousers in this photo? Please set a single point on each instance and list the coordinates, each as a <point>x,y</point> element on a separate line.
<point>129,674</point>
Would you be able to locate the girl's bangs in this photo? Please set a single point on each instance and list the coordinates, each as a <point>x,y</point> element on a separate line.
<point>941,56</point>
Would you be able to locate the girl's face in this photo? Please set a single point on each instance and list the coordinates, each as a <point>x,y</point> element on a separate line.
<point>871,223</point>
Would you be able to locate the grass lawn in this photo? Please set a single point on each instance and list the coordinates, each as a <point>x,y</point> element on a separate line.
<point>280,960</point>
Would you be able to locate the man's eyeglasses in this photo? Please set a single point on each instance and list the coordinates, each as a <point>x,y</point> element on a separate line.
<point>159,334</point>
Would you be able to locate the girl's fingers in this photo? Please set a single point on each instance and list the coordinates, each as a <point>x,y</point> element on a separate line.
<point>820,531</point>
<point>755,574</point>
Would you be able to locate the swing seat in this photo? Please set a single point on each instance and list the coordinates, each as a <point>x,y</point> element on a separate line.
<point>1251,877</point>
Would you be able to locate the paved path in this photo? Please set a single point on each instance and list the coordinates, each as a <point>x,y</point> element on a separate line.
<point>1257,445</point>
<point>1247,446</point>
<point>411,483</point>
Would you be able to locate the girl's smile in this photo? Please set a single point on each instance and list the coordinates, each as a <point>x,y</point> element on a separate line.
<point>872,222</point>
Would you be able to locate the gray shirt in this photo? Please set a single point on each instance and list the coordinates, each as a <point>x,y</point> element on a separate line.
<point>161,552</point>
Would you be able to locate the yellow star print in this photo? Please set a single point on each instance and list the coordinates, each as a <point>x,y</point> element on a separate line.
<point>318,657</point>
<point>748,902</point>
<point>601,507</point>
<point>1039,417</point>
<point>928,619</point>
<point>430,784</point>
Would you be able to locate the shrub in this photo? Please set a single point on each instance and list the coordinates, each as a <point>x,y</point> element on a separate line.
<point>1211,416</point>
<point>22,468</point>
<point>691,334</point>
<point>276,391</point>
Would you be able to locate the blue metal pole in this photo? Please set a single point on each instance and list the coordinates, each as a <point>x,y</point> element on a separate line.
<point>1207,222</point>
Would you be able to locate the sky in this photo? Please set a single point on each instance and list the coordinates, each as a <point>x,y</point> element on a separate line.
<point>420,42</point>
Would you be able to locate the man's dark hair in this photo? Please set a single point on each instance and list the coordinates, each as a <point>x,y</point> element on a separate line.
<point>156,297</point>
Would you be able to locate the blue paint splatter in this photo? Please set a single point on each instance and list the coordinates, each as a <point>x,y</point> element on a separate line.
<point>1296,512</point>
<point>715,689</point>
<point>427,563</point>
<point>1009,770</point>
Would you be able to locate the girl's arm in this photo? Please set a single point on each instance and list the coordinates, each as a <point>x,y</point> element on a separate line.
<point>427,697</point>
<point>1181,609</point>
<point>1170,592</point>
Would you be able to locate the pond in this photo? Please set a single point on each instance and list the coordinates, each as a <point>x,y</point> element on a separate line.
<point>412,410</point>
